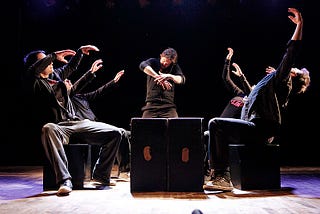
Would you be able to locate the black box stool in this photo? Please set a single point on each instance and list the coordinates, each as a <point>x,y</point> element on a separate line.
<point>255,167</point>
<point>148,154</point>
<point>166,154</point>
<point>186,153</point>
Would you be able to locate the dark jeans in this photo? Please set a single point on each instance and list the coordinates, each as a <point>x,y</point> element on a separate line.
<point>225,131</point>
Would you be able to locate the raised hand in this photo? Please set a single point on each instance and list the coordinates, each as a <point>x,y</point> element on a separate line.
<point>270,69</point>
<point>230,53</point>
<point>296,17</point>
<point>61,55</point>
<point>87,48</point>
<point>96,65</point>
<point>238,71</point>
<point>162,79</point>
<point>118,76</point>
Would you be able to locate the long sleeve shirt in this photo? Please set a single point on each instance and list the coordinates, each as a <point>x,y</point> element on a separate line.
<point>82,101</point>
<point>234,106</point>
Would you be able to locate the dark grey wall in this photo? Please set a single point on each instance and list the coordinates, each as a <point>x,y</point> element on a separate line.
<point>126,34</point>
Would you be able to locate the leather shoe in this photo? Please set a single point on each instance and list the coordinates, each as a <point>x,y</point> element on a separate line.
<point>65,188</point>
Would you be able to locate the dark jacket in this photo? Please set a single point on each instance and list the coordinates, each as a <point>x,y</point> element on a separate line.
<point>50,99</point>
<point>266,99</point>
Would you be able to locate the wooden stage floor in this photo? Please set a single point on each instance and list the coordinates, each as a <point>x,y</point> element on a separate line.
<point>22,192</point>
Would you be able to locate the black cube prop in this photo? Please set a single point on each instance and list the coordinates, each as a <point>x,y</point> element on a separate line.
<point>148,154</point>
<point>186,152</point>
<point>255,167</point>
<point>166,154</point>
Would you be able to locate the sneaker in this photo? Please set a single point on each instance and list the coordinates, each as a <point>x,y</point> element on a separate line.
<point>65,188</point>
<point>219,183</point>
<point>101,182</point>
<point>124,176</point>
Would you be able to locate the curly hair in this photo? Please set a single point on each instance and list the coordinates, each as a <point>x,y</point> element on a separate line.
<point>301,81</point>
<point>171,54</point>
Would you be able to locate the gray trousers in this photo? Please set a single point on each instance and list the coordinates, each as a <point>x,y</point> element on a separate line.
<point>91,132</point>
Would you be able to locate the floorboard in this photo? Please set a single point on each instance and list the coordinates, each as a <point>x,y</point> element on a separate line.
<point>22,192</point>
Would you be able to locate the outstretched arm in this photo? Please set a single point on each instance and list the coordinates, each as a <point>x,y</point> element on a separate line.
<point>85,79</point>
<point>65,71</point>
<point>293,47</point>
<point>245,84</point>
<point>296,18</point>
<point>231,86</point>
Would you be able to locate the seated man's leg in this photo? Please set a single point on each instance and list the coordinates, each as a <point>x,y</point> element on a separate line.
<point>207,170</point>
<point>108,137</point>
<point>222,132</point>
<point>124,152</point>
<point>53,137</point>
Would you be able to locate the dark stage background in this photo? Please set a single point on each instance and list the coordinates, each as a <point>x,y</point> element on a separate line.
<point>129,31</point>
